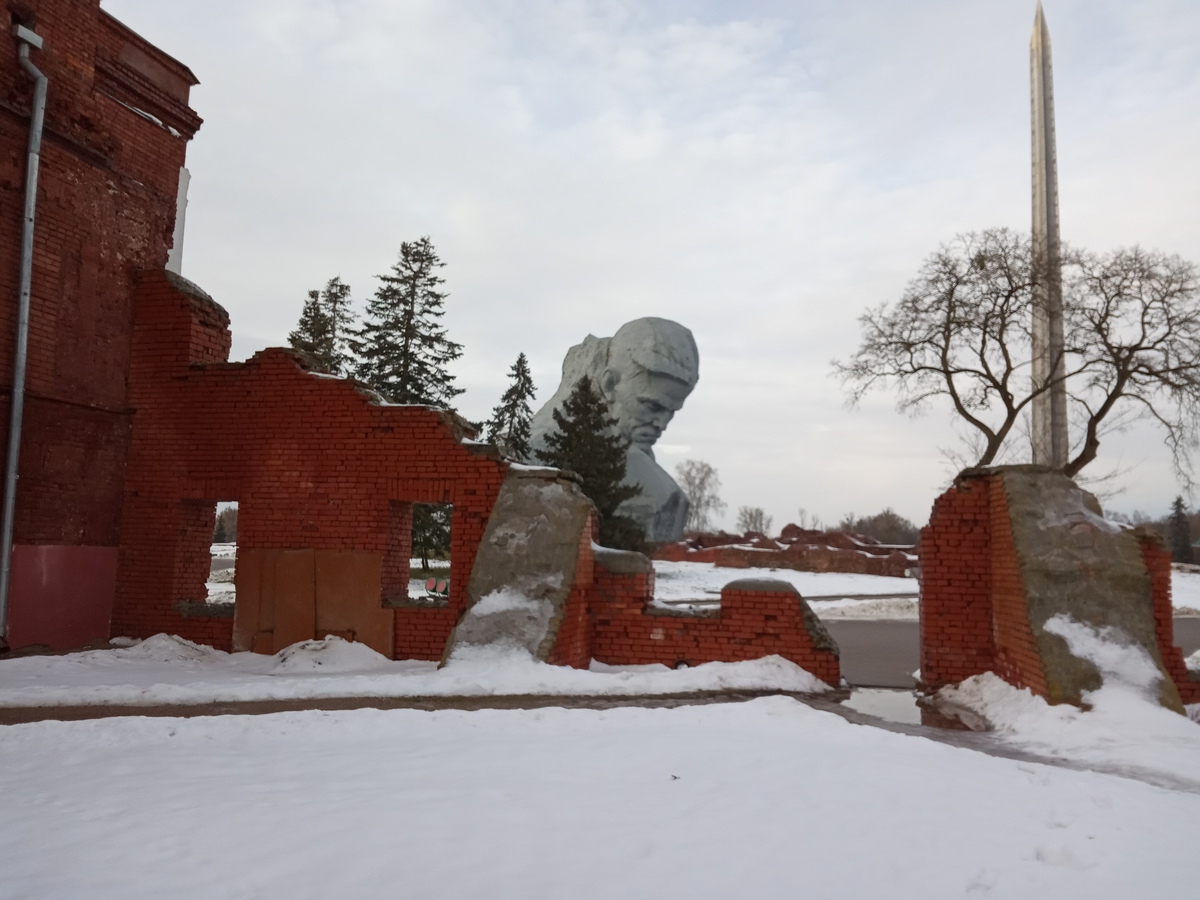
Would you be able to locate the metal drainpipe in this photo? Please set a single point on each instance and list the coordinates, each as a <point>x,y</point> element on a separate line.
<point>25,40</point>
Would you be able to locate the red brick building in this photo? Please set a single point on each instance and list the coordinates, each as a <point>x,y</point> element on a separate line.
<point>136,426</point>
<point>117,125</point>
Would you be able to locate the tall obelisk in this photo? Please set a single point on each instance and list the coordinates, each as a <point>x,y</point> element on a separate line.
<point>1050,442</point>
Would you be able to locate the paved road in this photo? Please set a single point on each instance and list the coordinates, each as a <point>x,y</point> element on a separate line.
<point>885,654</point>
<point>877,654</point>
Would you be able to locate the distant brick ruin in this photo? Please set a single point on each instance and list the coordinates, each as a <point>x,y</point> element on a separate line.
<point>801,549</point>
<point>1006,549</point>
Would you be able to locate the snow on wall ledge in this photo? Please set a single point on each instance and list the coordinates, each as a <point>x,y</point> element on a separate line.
<point>1009,548</point>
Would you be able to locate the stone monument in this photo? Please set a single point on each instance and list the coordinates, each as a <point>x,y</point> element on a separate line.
<point>1049,414</point>
<point>645,372</point>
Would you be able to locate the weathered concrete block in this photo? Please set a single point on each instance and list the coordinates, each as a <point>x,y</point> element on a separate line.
<point>1073,561</point>
<point>526,564</point>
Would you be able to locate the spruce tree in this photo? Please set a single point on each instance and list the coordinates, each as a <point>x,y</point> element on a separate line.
<point>326,323</point>
<point>312,333</point>
<point>508,427</point>
<point>1180,531</point>
<point>402,347</point>
<point>431,531</point>
<point>586,443</point>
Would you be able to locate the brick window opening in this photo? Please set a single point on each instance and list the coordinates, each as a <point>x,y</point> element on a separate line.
<point>223,555</point>
<point>416,562</point>
<point>429,566</point>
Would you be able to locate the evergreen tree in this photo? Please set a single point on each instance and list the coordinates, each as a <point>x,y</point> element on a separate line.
<point>1180,532</point>
<point>509,426</point>
<point>402,348</point>
<point>431,531</point>
<point>586,443</point>
<point>326,323</point>
<point>312,334</point>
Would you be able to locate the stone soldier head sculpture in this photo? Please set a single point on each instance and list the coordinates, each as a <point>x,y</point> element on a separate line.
<point>651,368</point>
<point>645,372</point>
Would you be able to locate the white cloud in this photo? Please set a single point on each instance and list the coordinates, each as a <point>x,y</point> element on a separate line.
<point>760,171</point>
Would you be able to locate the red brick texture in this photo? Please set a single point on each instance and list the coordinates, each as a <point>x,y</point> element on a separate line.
<point>974,615</point>
<point>573,643</point>
<point>751,623</point>
<point>314,463</point>
<point>800,556</point>
<point>107,184</point>
<point>1158,563</point>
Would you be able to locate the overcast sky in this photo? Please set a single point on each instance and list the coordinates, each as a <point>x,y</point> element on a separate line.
<point>760,171</point>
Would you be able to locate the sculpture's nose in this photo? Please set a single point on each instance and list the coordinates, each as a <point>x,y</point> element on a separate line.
<point>662,417</point>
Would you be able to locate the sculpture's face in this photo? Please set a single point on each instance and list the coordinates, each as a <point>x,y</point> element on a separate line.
<point>643,402</point>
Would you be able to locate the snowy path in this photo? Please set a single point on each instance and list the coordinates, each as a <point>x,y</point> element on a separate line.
<point>768,799</point>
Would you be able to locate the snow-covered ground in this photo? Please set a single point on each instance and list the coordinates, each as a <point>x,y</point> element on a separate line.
<point>168,669</point>
<point>766,799</point>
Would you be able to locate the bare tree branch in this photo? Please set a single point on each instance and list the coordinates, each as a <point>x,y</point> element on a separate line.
<point>961,332</point>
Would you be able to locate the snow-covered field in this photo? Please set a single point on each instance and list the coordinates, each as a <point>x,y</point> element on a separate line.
<point>766,799</point>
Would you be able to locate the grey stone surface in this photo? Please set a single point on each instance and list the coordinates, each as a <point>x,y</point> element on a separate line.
<point>645,372</point>
<point>526,564</point>
<point>816,629</point>
<point>1073,561</point>
<point>622,562</point>
<point>762,585</point>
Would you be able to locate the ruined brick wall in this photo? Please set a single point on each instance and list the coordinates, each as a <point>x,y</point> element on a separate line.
<point>106,207</point>
<point>751,623</point>
<point>974,614</point>
<point>1158,564</point>
<point>314,462</point>
<point>801,557</point>
<point>573,646</point>
<point>1017,659</point>
<point>956,583</point>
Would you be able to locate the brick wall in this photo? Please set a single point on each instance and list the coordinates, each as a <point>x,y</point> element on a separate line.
<point>798,556</point>
<point>752,622</point>
<point>573,645</point>
<point>974,615</point>
<point>1158,563</point>
<point>956,610</point>
<point>314,462</point>
<point>107,184</point>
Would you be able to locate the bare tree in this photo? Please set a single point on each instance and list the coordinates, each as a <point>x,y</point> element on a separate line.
<point>702,486</point>
<point>753,518</point>
<point>809,521</point>
<point>961,332</point>
<point>887,527</point>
